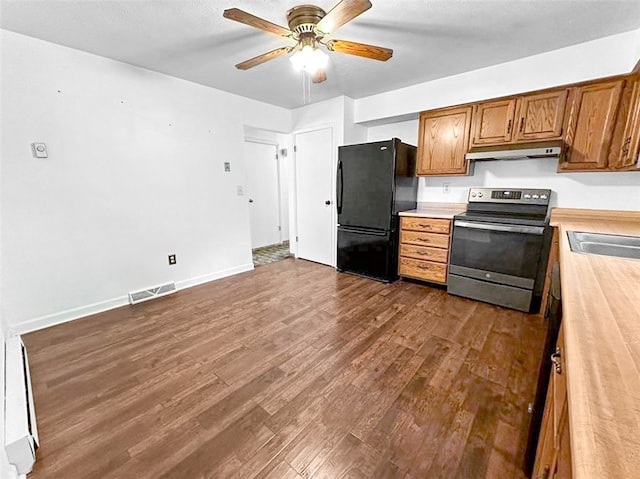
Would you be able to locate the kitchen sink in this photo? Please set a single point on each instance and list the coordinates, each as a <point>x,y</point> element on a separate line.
<point>604,244</point>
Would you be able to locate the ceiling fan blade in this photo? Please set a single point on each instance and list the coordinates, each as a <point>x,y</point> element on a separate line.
<point>255,61</point>
<point>341,13</point>
<point>256,22</point>
<point>360,49</point>
<point>319,76</point>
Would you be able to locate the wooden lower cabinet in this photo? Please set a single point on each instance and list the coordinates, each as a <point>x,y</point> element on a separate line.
<point>553,455</point>
<point>424,248</point>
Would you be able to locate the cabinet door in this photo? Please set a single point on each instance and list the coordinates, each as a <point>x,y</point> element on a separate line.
<point>553,454</point>
<point>541,116</point>
<point>563,453</point>
<point>625,152</point>
<point>493,122</point>
<point>443,141</point>
<point>545,452</point>
<point>592,116</point>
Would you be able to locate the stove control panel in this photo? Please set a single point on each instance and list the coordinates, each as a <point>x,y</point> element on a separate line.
<point>510,195</point>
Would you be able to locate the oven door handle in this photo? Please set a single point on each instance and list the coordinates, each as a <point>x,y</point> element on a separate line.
<point>535,230</point>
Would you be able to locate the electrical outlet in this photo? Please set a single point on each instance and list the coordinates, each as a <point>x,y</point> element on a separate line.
<point>227,166</point>
<point>239,190</point>
<point>446,188</point>
<point>172,259</point>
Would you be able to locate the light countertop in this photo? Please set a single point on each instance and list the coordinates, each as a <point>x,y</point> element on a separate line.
<point>601,322</point>
<point>436,210</point>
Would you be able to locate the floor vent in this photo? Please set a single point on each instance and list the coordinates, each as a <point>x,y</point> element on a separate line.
<point>150,293</point>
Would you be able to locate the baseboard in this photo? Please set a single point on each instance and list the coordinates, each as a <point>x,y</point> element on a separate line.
<point>205,278</point>
<point>67,315</point>
<point>89,309</point>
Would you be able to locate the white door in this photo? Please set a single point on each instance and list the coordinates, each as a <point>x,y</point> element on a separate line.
<point>316,224</point>
<point>261,185</point>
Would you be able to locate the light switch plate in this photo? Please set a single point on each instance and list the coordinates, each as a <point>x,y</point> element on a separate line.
<point>39,150</point>
<point>227,166</point>
<point>239,190</point>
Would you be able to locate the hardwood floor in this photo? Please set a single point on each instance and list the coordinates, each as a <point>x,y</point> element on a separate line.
<point>288,371</point>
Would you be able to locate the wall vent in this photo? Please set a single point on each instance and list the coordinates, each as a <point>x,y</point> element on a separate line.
<point>150,293</point>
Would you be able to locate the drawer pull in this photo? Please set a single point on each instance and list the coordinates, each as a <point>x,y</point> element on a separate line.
<point>555,360</point>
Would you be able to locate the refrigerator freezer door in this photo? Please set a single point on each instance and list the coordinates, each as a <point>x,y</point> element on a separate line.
<point>368,254</point>
<point>365,185</point>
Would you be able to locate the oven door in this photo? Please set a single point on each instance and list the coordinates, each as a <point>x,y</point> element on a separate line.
<point>501,253</point>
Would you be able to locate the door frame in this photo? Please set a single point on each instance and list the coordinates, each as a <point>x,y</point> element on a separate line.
<point>332,127</point>
<point>279,186</point>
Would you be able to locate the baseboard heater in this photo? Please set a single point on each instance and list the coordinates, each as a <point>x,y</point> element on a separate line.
<point>151,293</point>
<point>21,434</point>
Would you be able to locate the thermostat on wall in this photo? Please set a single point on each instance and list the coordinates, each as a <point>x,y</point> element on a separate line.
<point>39,150</point>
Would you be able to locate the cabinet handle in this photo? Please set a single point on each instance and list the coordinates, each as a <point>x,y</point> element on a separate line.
<point>424,226</point>
<point>521,124</point>
<point>509,127</point>
<point>545,473</point>
<point>555,360</point>
<point>625,147</point>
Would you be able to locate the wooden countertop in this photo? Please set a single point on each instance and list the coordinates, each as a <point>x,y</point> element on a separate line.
<point>436,210</point>
<point>601,322</point>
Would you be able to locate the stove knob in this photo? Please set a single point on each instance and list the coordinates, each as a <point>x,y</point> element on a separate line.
<point>527,196</point>
<point>473,195</point>
<point>543,197</point>
<point>535,197</point>
<point>480,195</point>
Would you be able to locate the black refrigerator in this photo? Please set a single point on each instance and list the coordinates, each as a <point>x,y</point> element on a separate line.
<point>374,182</point>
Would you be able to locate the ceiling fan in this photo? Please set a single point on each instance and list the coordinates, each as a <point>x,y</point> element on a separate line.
<point>308,26</point>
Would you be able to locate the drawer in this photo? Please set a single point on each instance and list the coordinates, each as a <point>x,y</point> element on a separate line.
<point>424,239</point>
<point>425,270</point>
<point>429,225</point>
<point>438,255</point>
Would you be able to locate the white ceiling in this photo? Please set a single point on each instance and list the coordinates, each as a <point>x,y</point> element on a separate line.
<point>431,39</point>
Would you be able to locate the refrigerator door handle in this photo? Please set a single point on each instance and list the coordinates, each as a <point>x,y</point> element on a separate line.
<point>363,231</point>
<point>339,188</point>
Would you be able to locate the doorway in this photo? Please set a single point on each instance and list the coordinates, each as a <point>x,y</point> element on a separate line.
<point>263,190</point>
<point>316,221</point>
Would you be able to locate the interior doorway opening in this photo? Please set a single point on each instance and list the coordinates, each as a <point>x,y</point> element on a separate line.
<point>266,172</point>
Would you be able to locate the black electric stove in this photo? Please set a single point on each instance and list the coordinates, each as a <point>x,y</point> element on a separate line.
<point>500,247</point>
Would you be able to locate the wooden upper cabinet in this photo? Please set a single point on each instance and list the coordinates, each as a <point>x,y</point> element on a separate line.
<point>443,141</point>
<point>540,116</point>
<point>493,122</point>
<point>590,125</point>
<point>527,118</point>
<point>625,148</point>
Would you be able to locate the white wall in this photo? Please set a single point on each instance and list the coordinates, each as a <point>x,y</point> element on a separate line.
<point>618,191</point>
<point>607,56</point>
<point>135,172</point>
<point>407,131</point>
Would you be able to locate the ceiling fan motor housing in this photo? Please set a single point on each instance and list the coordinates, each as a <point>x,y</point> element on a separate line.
<point>304,18</point>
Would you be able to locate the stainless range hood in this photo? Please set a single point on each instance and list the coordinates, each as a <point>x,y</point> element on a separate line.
<point>514,152</point>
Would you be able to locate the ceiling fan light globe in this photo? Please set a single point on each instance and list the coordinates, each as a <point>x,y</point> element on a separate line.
<point>309,59</point>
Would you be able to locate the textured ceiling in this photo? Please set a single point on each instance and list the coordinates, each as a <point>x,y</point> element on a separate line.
<point>431,39</point>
